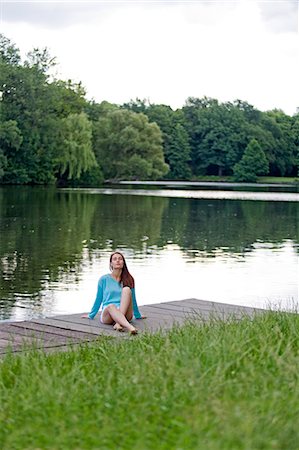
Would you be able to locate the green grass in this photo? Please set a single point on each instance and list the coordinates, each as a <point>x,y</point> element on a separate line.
<point>230,179</point>
<point>278,180</point>
<point>223,385</point>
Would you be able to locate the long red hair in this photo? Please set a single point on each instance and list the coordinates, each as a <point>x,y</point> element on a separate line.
<point>126,278</point>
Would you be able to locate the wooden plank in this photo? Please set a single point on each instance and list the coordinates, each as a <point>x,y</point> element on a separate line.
<point>193,301</point>
<point>60,333</point>
<point>41,345</point>
<point>180,307</point>
<point>169,309</point>
<point>156,313</point>
<point>52,330</point>
<point>172,310</point>
<point>219,312</point>
<point>11,337</point>
<point>4,343</point>
<point>156,321</point>
<point>193,314</point>
<point>214,312</point>
<point>95,323</point>
<point>203,304</point>
<point>6,346</point>
<point>76,319</point>
<point>34,336</point>
<point>38,340</point>
<point>197,306</point>
<point>80,321</point>
<point>75,327</point>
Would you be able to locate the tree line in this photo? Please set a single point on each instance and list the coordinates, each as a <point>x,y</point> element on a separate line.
<point>51,134</point>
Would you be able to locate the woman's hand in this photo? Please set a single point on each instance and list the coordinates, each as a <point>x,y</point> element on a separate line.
<point>142,317</point>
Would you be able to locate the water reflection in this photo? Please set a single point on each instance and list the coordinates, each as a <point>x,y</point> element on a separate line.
<point>54,244</point>
<point>216,186</point>
<point>200,194</point>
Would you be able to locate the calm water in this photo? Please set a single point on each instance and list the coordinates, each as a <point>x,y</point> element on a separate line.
<point>231,246</point>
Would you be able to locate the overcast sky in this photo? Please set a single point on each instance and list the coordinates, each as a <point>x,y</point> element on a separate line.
<point>166,51</point>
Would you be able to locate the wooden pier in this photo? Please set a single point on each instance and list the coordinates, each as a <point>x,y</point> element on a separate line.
<point>60,332</point>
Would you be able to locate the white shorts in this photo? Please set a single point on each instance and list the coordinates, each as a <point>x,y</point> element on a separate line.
<point>101,316</point>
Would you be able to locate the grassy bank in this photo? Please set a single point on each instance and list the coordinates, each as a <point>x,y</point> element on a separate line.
<point>230,385</point>
<point>230,179</point>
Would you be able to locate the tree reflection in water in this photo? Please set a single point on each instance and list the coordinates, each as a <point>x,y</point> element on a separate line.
<point>48,235</point>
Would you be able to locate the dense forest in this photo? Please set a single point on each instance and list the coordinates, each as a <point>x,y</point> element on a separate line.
<point>50,133</point>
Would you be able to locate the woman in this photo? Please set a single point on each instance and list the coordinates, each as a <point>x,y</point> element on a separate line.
<point>116,294</point>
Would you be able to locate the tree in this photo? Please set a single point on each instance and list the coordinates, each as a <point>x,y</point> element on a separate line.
<point>10,136</point>
<point>37,107</point>
<point>137,105</point>
<point>9,54</point>
<point>282,155</point>
<point>10,141</point>
<point>218,135</point>
<point>176,146</point>
<point>76,155</point>
<point>295,131</point>
<point>3,163</point>
<point>177,154</point>
<point>40,59</point>
<point>252,164</point>
<point>128,146</point>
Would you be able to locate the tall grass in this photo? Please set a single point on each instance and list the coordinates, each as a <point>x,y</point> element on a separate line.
<point>218,385</point>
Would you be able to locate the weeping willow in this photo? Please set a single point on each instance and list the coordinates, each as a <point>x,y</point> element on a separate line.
<point>77,155</point>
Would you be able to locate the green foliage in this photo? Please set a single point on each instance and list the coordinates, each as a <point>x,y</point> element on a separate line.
<point>282,154</point>
<point>10,135</point>
<point>252,164</point>
<point>205,137</point>
<point>176,146</point>
<point>10,141</point>
<point>9,54</point>
<point>128,146</point>
<point>40,59</point>
<point>76,153</point>
<point>206,386</point>
<point>92,177</point>
<point>218,135</point>
<point>3,163</point>
<point>32,113</point>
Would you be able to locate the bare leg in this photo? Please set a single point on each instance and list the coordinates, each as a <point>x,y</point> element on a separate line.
<point>113,314</point>
<point>126,307</point>
<point>126,304</point>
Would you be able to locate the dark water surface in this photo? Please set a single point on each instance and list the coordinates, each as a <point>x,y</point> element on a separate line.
<point>179,243</point>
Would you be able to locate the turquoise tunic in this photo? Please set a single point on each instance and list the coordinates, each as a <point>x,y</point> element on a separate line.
<point>109,292</point>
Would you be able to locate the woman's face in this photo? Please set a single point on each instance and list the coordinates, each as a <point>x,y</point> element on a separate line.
<point>117,261</point>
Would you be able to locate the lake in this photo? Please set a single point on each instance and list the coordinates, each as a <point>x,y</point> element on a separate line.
<point>225,243</point>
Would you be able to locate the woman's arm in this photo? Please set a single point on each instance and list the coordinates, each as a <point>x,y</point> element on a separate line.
<point>98,300</point>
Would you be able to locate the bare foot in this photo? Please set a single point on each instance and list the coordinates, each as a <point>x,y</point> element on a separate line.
<point>118,327</point>
<point>133,331</point>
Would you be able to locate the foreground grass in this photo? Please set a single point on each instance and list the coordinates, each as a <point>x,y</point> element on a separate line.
<point>231,385</point>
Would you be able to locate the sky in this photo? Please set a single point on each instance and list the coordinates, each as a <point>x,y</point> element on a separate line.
<point>167,51</point>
